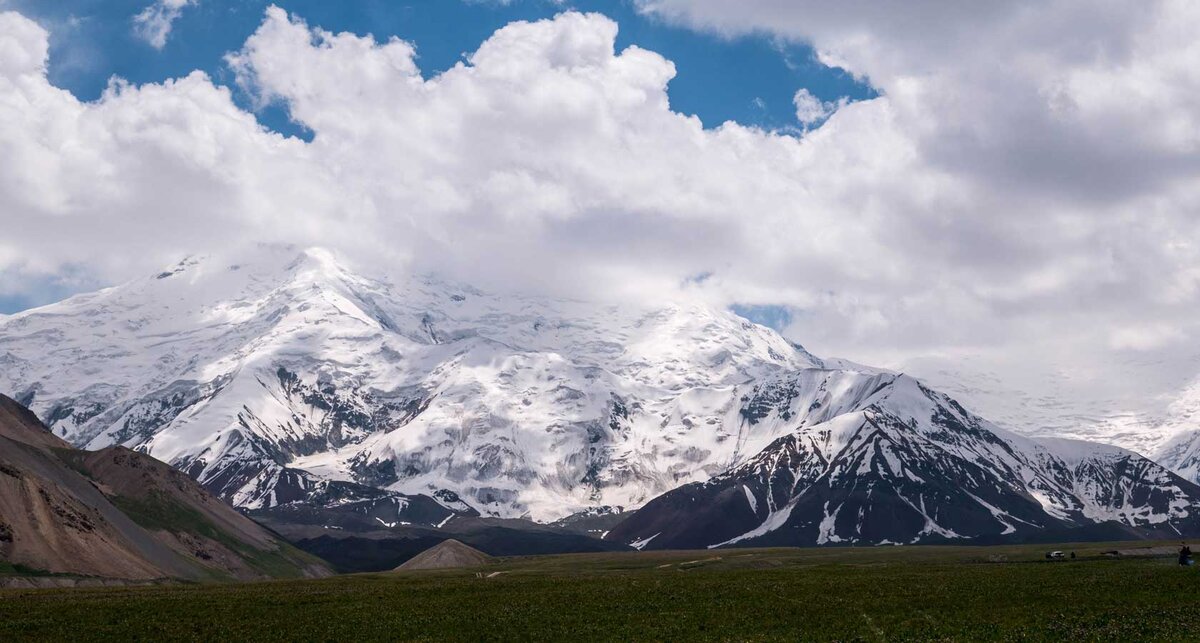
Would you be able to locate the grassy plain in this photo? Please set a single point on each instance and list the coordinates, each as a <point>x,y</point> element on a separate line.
<point>895,593</point>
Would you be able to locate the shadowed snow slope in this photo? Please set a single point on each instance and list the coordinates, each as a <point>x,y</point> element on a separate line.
<point>284,378</point>
<point>906,464</point>
<point>1182,454</point>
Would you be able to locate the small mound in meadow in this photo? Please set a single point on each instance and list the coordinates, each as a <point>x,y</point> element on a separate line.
<point>447,554</point>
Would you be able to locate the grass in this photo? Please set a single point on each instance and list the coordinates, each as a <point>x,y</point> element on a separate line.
<point>159,511</point>
<point>940,593</point>
<point>17,569</point>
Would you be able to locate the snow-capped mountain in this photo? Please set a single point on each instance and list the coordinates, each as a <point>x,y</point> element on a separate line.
<point>1181,449</point>
<point>285,378</point>
<point>894,462</point>
<point>1093,402</point>
<point>1182,455</point>
<point>264,376</point>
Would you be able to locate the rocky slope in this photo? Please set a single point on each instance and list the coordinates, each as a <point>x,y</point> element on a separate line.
<point>447,554</point>
<point>118,514</point>
<point>898,463</point>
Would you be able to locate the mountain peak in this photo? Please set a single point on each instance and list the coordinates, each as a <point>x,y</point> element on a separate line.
<point>278,375</point>
<point>240,368</point>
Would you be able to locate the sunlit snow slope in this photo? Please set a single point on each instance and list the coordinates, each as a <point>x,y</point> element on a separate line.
<point>283,378</point>
<point>252,374</point>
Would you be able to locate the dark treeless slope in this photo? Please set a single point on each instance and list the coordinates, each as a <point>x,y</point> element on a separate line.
<point>354,545</point>
<point>120,514</point>
<point>446,555</point>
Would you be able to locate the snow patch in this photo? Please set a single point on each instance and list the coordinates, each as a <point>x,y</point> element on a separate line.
<point>774,521</point>
<point>640,544</point>
<point>751,499</point>
<point>827,530</point>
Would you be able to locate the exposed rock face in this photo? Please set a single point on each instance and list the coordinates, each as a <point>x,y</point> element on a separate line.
<point>899,463</point>
<point>445,555</point>
<point>117,514</point>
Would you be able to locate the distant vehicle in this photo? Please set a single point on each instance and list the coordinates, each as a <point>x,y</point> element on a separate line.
<point>1055,555</point>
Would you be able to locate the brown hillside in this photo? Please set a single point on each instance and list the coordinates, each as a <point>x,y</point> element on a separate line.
<point>119,514</point>
<point>445,555</point>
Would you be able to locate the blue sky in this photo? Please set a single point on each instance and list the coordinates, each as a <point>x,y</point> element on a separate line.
<point>749,79</point>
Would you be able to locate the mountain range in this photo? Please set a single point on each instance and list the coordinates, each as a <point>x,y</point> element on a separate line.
<point>903,464</point>
<point>293,388</point>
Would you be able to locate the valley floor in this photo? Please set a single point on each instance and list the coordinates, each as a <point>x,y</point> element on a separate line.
<point>765,594</point>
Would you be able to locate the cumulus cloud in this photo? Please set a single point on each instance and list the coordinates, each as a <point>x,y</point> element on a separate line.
<point>1025,185</point>
<point>1069,132</point>
<point>24,46</point>
<point>153,24</point>
<point>811,110</point>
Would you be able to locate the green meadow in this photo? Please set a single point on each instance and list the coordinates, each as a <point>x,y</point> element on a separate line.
<point>897,593</point>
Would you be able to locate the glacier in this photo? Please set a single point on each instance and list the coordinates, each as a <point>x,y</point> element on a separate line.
<point>281,376</point>
<point>270,373</point>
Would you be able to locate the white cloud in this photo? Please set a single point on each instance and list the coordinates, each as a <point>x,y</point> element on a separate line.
<point>1069,132</point>
<point>24,47</point>
<point>1025,185</point>
<point>1145,337</point>
<point>153,24</point>
<point>809,108</point>
<point>811,111</point>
